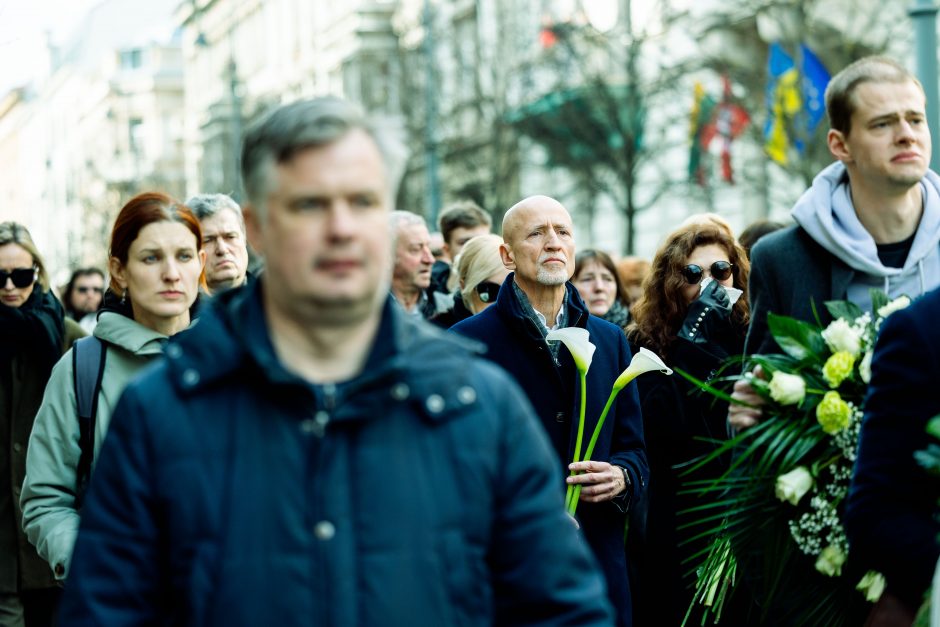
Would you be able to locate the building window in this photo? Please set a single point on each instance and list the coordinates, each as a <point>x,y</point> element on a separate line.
<point>465,58</point>
<point>132,59</point>
<point>374,75</point>
<point>135,128</point>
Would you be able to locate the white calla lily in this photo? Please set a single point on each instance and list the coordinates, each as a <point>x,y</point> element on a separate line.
<point>578,343</point>
<point>643,361</point>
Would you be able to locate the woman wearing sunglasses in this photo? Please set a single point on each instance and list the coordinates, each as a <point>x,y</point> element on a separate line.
<point>687,316</point>
<point>156,267</point>
<point>480,273</point>
<point>596,278</point>
<point>32,334</point>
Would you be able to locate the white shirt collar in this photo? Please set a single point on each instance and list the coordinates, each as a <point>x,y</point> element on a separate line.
<point>558,319</point>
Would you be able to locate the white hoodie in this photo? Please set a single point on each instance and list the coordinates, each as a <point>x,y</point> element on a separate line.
<point>826,212</point>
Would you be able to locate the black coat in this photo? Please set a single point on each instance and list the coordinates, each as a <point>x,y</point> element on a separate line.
<point>891,511</point>
<point>676,417</point>
<point>790,274</point>
<point>514,342</point>
<point>31,341</point>
<point>447,319</point>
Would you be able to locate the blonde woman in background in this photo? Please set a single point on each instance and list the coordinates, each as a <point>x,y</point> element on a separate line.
<point>480,273</point>
<point>32,333</point>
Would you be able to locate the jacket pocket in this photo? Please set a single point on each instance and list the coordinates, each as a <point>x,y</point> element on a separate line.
<point>197,591</point>
<point>468,579</point>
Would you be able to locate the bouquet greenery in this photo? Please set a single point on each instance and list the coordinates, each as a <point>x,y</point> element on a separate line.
<point>774,512</point>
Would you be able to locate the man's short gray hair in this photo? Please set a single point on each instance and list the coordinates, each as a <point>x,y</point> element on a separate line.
<point>278,136</point>
<point>397,220</point>
<point>207,205</point>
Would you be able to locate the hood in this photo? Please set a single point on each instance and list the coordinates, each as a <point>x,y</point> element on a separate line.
<point>130,335</point>
<point>825,211</point>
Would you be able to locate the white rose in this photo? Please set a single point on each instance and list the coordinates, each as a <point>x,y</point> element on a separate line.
<point>793,485</point>
<point>787,389</point>
<point>841,336</point>
<point>864,368</point>
<point>830,561</point>
<point>872,585</point>
<point>898,303</point>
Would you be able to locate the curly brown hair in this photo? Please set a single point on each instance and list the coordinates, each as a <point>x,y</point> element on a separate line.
<point>660,311</point>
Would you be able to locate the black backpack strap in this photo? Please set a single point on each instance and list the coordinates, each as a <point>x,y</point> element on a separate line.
<point>88,357</point>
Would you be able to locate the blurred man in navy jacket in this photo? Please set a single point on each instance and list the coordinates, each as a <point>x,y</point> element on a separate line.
<point>891,516</point>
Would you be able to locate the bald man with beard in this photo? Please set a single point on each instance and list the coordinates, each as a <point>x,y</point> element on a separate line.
<point>539,251</point>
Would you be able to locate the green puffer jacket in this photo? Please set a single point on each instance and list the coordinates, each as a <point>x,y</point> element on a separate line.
<point>48,496</point>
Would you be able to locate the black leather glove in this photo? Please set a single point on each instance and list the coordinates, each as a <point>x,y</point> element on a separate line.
<point>707,314</point>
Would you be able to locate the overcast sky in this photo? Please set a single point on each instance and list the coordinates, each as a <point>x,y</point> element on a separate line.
<point>22,27</point>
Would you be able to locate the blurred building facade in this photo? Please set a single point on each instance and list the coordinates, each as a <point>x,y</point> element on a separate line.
<point>505,103</point>
<point>590,102</point>
<point>501,99</point>
<point>103,123</point>
<point>244,56</point>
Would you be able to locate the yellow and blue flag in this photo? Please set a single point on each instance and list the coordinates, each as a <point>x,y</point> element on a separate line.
<point>703,105</point>
<point>794,110</point>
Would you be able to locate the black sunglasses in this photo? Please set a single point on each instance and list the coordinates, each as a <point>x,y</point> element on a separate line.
<point>487,291</point>
<point>84,289</point>
<point>720,270</point>
<point>21,277</point>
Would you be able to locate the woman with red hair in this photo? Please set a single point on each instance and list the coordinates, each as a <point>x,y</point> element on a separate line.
<point>693,313</point>
<point>156,266</point>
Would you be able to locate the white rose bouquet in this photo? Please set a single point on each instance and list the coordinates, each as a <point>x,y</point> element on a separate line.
<point>776,510</point>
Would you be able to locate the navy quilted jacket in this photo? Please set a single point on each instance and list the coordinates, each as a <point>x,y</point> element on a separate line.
<point>422,493</point>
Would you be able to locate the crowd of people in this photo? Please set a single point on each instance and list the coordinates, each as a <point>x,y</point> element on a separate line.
<point>377,428</point>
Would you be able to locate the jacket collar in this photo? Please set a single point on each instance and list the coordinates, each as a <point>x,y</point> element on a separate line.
<point>408,356</point>
<point>233,334</point>
<point>509,308</point>
<point>129,334</point>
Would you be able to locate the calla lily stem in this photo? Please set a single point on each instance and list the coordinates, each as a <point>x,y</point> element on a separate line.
<point>576,493</point>
<point>577,443</point>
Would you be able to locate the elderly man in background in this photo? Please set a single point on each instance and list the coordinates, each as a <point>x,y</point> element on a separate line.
<point>411,275</point>
<point>223,238</point>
